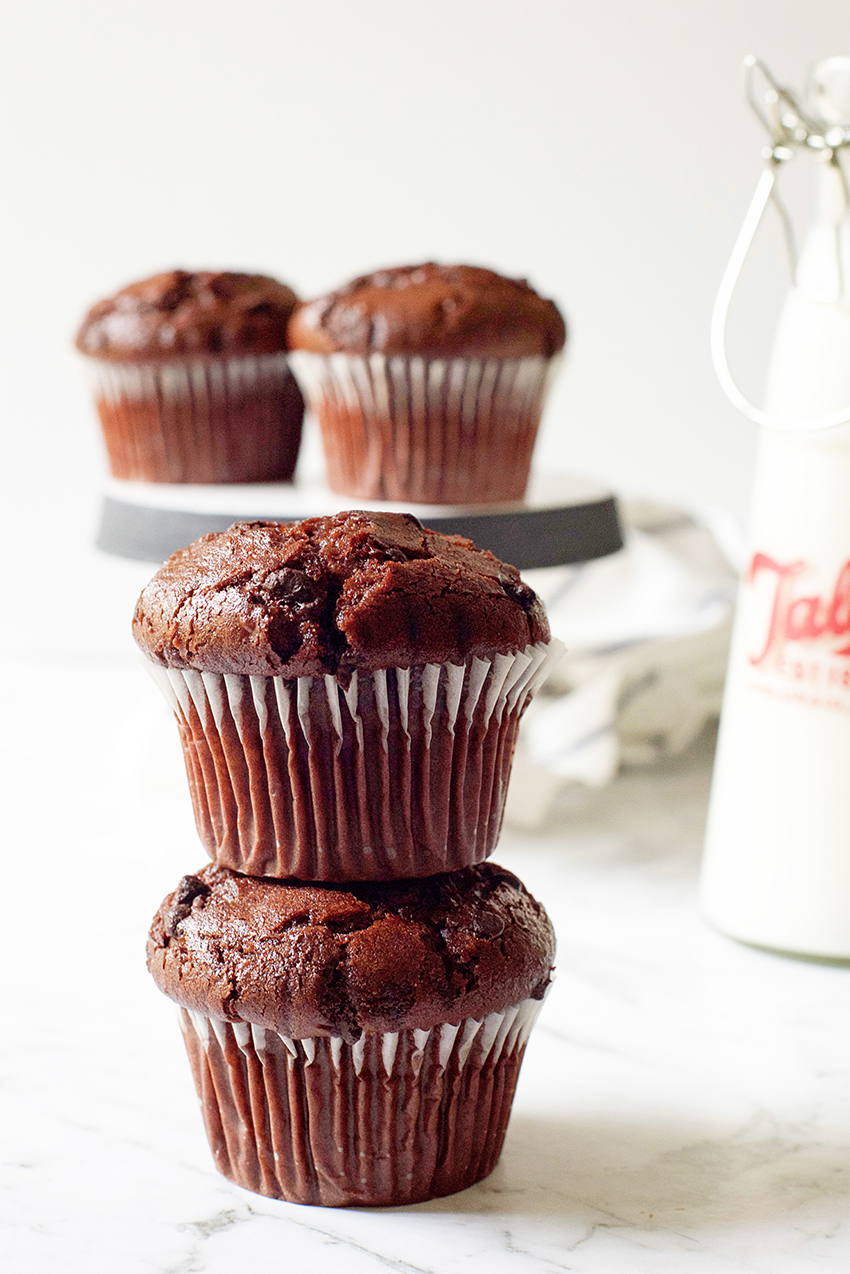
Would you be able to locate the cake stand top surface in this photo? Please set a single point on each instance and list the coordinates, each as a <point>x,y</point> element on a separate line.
<point>563,520</point>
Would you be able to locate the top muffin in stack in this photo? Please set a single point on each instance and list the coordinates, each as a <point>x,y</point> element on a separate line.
<point>348,691</point>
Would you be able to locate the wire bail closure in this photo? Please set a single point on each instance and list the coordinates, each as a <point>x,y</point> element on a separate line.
<point>791,129</point>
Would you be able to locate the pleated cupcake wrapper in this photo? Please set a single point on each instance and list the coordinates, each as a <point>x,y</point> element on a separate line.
<point>393,1118</point>
<point>436,431</point>
<point>402,773</point>
<point>210,420</point>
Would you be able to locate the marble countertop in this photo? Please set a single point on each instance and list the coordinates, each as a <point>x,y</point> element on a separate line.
<point>683,1104</point>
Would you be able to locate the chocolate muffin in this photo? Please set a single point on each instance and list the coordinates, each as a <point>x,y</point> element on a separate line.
<point>358,1046</point>
<point>191,378</point>
<point>428,381</point>
<point>348,691</point>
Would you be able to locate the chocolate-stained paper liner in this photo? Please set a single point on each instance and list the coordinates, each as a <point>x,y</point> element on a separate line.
<point>394,1118</point>
<point>402,773</point>
<point>433,431</point>
<point>217,420</point>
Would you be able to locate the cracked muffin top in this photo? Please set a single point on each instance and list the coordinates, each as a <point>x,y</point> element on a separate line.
<point>308,959</point>
<point>180,315</point>
<point>439,311</point>
<point>333,594</point>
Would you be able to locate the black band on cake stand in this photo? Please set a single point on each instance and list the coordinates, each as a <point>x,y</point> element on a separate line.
<point>562,521</point>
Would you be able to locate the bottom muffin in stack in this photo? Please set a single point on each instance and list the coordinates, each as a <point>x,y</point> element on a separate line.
<point>356,1046</point>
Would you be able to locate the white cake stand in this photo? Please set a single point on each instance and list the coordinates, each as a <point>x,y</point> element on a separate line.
<point>562,520</point>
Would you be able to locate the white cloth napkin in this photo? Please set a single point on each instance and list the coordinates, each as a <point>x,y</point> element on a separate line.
<point>647,635</point>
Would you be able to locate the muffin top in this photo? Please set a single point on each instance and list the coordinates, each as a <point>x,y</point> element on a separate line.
<point>308,959</point>
<point>179,315</point>
<point>332,594</point>
<point>440,311</point>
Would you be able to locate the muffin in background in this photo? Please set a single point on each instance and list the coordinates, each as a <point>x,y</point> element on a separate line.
<point>348,692</point>
<point>428,382</point>
<point>356,1047</point>
<point>191,379</point>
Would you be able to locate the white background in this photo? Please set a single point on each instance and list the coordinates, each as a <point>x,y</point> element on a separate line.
<point>602,149</point>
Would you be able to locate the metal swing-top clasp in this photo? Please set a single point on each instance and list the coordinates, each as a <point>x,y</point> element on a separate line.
<point>823,128</point>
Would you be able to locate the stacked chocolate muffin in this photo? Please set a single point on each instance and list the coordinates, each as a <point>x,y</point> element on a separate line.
<point>356,984</point>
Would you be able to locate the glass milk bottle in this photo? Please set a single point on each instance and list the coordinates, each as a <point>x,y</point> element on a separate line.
<point>776,870</point>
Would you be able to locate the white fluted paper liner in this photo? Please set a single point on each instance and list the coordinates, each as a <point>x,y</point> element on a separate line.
<point>432,431</point>
<point>392,1118</point>
<point>402,773</point>
<point>207,420</point>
